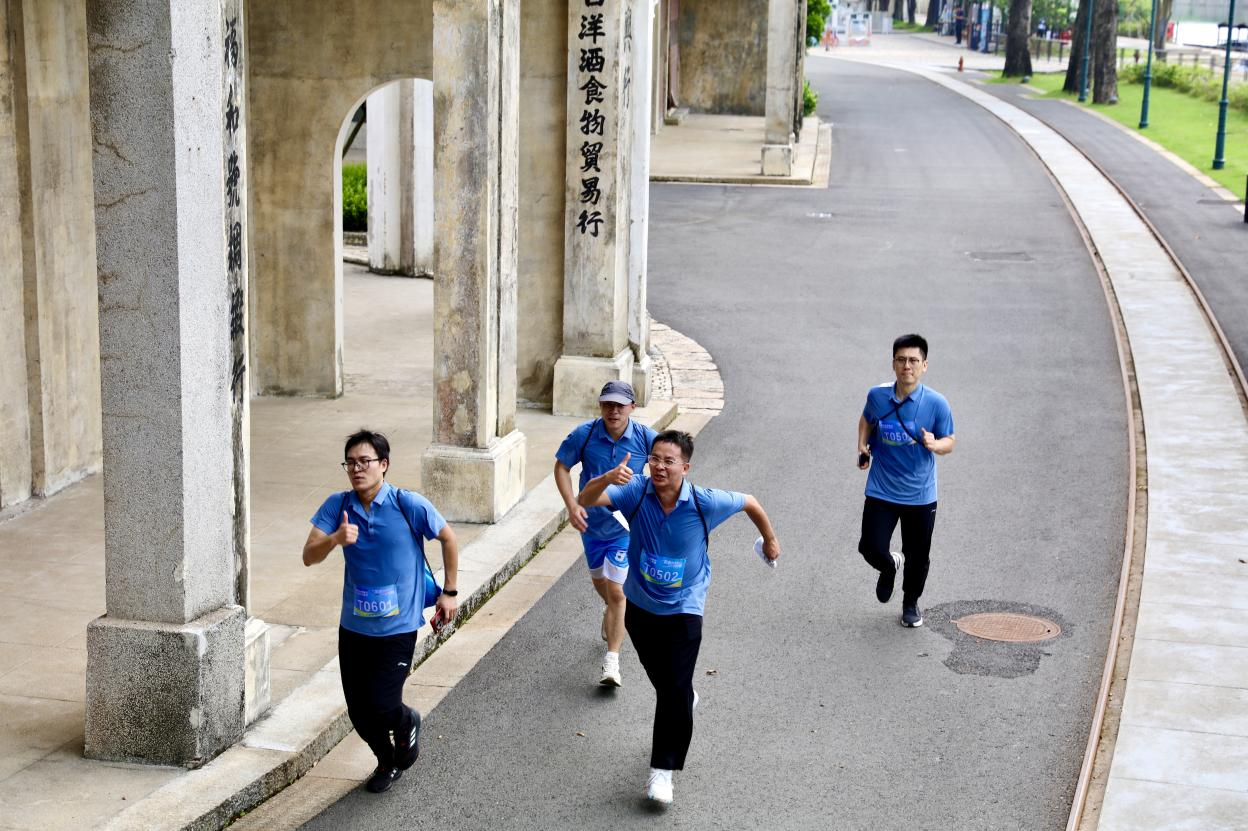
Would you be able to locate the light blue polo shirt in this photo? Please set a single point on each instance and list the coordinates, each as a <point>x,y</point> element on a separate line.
<point>902,470</point>
<point>668,567</point>
<point>384,571</point>
<point>602,454</point>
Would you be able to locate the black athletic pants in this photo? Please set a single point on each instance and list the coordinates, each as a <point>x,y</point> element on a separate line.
<point>879,518</point>
<point>668,648</point>
<point>373,672</point>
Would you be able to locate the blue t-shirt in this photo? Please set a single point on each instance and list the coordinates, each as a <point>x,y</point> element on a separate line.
<point>668,568</point>
<point>383,574</point>
<point>902,470</point>
<point>602,454</point>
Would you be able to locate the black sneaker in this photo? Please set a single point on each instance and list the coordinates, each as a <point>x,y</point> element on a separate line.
<point>382,779</point>
<point>407,746</point>
<point>911,617</point>
<point>884,586</point>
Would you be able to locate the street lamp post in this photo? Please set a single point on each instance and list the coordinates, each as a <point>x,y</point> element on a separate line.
<point>1219,150</point>
<point>1087,51</point>
<point>1148,67</point>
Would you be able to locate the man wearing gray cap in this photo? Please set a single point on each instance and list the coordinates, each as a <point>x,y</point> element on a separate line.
<point>598,446</point>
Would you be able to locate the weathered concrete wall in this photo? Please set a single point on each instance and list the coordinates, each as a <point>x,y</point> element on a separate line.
<point>311,65</point>
<point>61,329</point>
<point>14,412</point>
<point>723,56</point>
<point>543,88</point>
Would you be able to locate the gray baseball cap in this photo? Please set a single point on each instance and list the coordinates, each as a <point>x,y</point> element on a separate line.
<point>618,392</point>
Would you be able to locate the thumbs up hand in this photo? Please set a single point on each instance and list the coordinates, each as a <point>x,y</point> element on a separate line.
<point>347,533</point>
<point>621,474</point>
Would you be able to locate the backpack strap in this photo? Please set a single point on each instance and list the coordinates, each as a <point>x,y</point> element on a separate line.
<point>588,436</point>
<point>706,529</point>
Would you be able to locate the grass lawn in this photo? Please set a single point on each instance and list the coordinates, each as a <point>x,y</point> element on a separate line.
<point>907,26</point>
<point>1184,125</point>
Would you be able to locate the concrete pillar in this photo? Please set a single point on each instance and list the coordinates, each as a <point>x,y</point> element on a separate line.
<point>385,179</point>
<point>782,55</point>
<point>474,470</point>
<point>15,474</point>
<point>599,180</point>
<point>644,17</point>
<point>418,225</point>
<point>166,663</point>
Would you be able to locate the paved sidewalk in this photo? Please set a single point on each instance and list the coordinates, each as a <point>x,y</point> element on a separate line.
<point>727,149</point>
<point>1181,756</point>
<point>45,783</point>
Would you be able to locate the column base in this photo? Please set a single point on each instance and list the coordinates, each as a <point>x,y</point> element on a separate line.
<point>256,690</point>
<point>778,159</point>
<point>163,693</point>
<point>643,374</point>
<point>579,380</point>
<point>472,484</point>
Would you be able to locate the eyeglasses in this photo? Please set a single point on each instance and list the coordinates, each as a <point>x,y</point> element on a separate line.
<point>906,361</point>
<point>358,464</point>
<point>656,461</point>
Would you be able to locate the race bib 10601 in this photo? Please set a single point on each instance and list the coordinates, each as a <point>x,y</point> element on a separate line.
<point>668,572</point>
<point>376,601</point>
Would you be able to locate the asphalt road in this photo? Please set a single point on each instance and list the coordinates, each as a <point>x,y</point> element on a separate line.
<point>821,710</point>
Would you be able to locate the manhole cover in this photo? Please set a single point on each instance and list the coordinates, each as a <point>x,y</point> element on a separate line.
<point>1004,626</point>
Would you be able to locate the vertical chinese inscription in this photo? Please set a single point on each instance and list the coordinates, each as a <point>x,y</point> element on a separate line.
<point>592,64</point>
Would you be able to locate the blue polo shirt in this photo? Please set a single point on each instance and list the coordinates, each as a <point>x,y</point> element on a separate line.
<point>668,567</point>
<point>902,470</point>
<point>384,571</point>
<point>602,454</point>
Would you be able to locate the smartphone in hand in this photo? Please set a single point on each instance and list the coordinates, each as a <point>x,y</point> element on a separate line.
<point>864,459</point>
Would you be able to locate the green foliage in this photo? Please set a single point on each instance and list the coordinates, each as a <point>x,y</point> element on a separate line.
<point>817,12</point>
<point>1133,17</point>
<point>810,99</point>
<point>354,197</point>
<point>1195,81</point>
<point>907,26</point>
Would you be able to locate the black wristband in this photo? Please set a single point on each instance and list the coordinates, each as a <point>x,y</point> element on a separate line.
<point>451,592</point>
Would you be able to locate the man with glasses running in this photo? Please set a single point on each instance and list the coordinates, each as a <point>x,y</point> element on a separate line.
<point>382,531</point>
<point>668,575</point>
<point>903,428</point>
<point>597,446</point>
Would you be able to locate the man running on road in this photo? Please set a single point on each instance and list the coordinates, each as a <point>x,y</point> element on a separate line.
<point>668,575</point>
<point>382,531</point>
<point>598,446</point>
<point>903,428</point>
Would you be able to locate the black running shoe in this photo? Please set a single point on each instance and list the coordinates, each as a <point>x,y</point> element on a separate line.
<point>382,779</point>
<point>407,745</point>
<point>911,617</point>
<point>884,586</point>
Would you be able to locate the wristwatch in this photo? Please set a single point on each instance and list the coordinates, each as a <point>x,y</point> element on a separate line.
<point>451,592</point>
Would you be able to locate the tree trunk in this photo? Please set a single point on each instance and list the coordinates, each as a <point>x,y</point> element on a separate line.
<point>1017,50</point>
<point>933,13</point>
<point>899,9</point>
<point>1105,54</point>
<point>1164,9</point>
<point>1077,44</point>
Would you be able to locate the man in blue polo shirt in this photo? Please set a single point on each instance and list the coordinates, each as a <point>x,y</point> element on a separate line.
<point>382,531</point>
<point>597,446</point>
<point>668,575</point>
<point>903,428</point>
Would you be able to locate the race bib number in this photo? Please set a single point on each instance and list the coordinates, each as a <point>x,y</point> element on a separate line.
<point>376,601</point>
<point>892,432</point>
<point>668,572</point>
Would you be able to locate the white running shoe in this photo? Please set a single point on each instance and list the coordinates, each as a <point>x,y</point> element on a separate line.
<point>611,670</point>
<point>659,786</point>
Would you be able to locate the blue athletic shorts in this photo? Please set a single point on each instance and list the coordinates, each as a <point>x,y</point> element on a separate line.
<point>607,558</point>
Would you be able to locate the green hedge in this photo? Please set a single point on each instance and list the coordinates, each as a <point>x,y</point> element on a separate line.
<point>1195,81</point>
<point>354,197</point>
<point>810,99</point>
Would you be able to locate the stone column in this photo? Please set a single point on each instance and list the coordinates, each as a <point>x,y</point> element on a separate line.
<point>596,235</point>
<point>644,17</point>
<point>781,80</point>
<point>165,664</point>
<point>474,470</point>
<point>418,228</point>
<point>385,178</point>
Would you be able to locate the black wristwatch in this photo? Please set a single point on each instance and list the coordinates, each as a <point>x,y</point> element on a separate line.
<point>451,592</point>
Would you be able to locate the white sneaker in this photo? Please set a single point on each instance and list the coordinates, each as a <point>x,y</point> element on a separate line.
<point>659,786</point>
<point>611,670</point>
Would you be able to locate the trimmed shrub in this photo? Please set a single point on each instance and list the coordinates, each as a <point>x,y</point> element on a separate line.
<point>810,99</point>
<point>1195,81</point>
<point>354,197</point>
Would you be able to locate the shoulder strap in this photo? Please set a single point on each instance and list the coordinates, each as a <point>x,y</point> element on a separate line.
<point>637,507</point>
<point>706,529</point>
<point>588,436</point>
<point>398,493</point>
<point>900,420</point>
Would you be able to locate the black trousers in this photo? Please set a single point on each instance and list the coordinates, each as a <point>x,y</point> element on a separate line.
<point>879,518</point>
<point>668,648</point>
<point>373,672</point>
